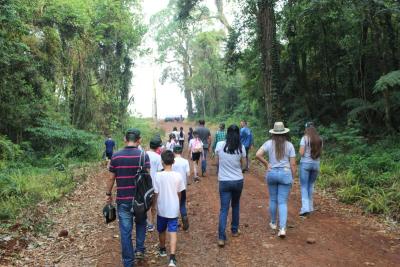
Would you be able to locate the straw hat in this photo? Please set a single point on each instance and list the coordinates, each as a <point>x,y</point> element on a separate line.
<point>279,128</point>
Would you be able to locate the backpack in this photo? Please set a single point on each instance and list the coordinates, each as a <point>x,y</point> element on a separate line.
<point>197,146</point>
<point>144,191</point>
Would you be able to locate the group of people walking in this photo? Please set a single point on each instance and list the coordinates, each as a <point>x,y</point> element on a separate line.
<point>170,172</point>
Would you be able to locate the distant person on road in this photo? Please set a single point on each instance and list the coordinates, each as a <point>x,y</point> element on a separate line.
<point>281,169</point>
<point>205,136</point>
<point>195,149</point>
<point>220,135</point>
<point>176,133</point>
<point>310,151</point>
<point>155,166</point>
<point>181,137</point>
<point>190,134</point>
<point>124,167</point>
<point>110,147</point>
<point>168,186</point>
<point>246,137</point>
<point>230,156</point>
<point>182,166</point>
<point>171,142</point>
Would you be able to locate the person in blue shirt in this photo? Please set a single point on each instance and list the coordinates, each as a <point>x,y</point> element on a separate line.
<point>110,146</point>
<point>246,138</point>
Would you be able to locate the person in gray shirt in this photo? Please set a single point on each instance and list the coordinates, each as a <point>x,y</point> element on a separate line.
<point>205,136</point>
<point>230,157</point>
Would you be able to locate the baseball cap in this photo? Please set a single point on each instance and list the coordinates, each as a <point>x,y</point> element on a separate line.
<point>155,142</point>
<point>177,149</point>
<point>133,132</point>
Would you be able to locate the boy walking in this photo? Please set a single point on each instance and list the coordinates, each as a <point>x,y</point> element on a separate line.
<point>181,166</point>
<point>155,166</point>
<point>168,186</point>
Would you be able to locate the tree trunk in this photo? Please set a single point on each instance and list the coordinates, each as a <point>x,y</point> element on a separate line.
<point>187,91</point>
<point>269,55</point>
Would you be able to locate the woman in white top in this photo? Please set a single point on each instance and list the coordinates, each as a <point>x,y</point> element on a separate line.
<point>310,151</point>
<point>171,142</point>
<point>230,155</point>
<point>281,168</point>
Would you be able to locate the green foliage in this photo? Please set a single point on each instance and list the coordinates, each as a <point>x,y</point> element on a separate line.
<point>17,192</point>
<point>390,80</point>
<point>51,138</point>
<point>366,174</point>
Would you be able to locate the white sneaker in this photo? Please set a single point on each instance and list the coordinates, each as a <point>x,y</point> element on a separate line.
<point>282,233</point>
<point>272,226</point>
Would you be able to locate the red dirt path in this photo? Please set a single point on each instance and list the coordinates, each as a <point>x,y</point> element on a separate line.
<point>344,237</point>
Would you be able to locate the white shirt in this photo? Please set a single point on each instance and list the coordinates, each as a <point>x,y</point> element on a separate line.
<point>155,163</point>
<point>269,147</point>
<point>170,145</point>
<point>181,138</point>
<point>167,185</point>
<point>229,164</point>
<point>176,133</point>
<point>181,165</point>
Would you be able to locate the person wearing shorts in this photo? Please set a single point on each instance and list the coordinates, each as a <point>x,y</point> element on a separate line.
<point>168,186</point>
<point>195,149</point>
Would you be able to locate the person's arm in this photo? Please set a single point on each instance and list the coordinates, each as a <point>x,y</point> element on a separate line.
<point>109,186</point>
<point>301,151</point>
<point>302,146</point>
<point>293,166</point>
<point>214,143</point>
<point>260,156</point>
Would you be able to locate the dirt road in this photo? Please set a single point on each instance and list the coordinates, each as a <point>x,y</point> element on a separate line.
<point>342,235</point>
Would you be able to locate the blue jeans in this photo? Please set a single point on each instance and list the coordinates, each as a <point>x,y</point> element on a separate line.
<point>125,218</point>
<point>182,204</point>
<point>308,176</point>
<point>279,182</point>
<point>204,160</point>
<point>229,193</point>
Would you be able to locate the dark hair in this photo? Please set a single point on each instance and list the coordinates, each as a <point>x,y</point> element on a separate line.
<point>168,157</point>
<point>195,133</point>
<point>233,144</point>
<point>154,146</point>
<point>202,122</point>
<point>245,122</point>
<point>171,136</point>
<point>222,126</point>
<point>280,145</point>
<point>132,137</point>
<point>175,129</point>
<point>190,129</point>
<point>315,142</point>
<point>181,128</point>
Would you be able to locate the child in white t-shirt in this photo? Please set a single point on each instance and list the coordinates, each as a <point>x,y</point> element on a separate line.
<point>181,165</point>
<point>155,166</point>
<point>195,149</point>
<point>168,186</point>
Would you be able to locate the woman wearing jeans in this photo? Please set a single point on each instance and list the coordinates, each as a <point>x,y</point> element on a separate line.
<point>281,168</point>
<point>310,151</point>
<point>230,155</point>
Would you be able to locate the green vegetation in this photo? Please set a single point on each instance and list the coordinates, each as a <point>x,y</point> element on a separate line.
<point>65,68</point>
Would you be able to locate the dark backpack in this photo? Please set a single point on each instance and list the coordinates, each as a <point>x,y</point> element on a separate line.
<point>144,191</point>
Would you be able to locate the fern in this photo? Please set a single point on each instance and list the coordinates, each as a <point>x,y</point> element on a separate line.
<point>387,81</point>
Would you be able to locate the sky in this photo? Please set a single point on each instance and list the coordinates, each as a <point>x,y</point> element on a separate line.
<point>170,98</point>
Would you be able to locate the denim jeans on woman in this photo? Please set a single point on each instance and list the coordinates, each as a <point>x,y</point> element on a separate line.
<point>229,193</point>
<point>125,218</point>
<point>308,176</point>
<point>279,182</point>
